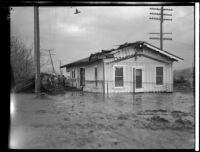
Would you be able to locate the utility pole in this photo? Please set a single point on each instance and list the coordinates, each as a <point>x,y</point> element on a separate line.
<point>59,67</point>
<point>53,69</point>
<point>162,19</point>
<point>37,49</point>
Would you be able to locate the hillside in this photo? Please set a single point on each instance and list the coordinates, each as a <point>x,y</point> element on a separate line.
<point>187,73</point>
<point>184,79</point>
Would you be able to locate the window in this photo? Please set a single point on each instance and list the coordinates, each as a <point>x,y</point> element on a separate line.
<point>119,77</point>
<point>95,75</point>
<point>73,74</point>
<point>159,75</point>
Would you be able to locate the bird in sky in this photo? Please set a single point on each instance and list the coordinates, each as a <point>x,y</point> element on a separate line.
<point>77,12</point>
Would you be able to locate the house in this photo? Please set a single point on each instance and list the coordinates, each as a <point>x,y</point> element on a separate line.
<point>132,67</point>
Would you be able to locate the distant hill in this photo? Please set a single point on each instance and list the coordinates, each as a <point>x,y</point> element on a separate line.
<point>187,73</point>
<point>184,79</point>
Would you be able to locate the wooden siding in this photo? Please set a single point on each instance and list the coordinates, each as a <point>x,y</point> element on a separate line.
<point>90,84</point>
<point>153,54</point>
<point>148,60</point>
<point>149,78</point>
<point>74,82</point>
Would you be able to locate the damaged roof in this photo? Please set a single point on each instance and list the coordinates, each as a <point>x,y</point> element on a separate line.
<point>105,54</point>
<point>92,58</point>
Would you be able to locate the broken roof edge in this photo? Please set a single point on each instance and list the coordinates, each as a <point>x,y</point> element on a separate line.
<point>86,60</point>
<point>80,63</point>
<point>77,61</point>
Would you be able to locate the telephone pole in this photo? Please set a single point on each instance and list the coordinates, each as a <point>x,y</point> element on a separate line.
<point>59,67</point>
<point>37,49</point>
<point>162,19</point>
<point>53,69</point>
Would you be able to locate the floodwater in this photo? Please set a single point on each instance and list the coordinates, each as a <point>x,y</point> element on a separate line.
<point>94,121</point>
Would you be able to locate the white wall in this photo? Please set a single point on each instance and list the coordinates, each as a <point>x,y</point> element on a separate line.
<point>90,77</point>
<point>149,79</point>
<point>90,84</point>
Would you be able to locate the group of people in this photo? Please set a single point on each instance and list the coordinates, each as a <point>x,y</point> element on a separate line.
<point>57,80</point>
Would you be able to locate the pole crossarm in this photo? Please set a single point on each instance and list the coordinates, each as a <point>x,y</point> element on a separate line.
<point>160,14</point>
<point>161,19</point>
<point>166,9</point>
<point>154,18</point>
<point>159,33</point>
<point>156,38</point>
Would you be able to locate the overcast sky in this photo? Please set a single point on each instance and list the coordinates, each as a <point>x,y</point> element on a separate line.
<point>75,36</point>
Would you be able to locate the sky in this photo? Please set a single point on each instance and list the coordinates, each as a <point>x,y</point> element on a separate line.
<point>75,36</point>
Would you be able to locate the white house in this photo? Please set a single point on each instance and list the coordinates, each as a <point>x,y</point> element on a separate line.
<point>132,67</point>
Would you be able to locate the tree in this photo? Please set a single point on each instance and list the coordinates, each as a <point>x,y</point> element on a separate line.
<point>22,60</point>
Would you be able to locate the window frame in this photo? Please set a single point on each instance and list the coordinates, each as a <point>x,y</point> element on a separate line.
<point>114,67</point>
<point>162,77</point>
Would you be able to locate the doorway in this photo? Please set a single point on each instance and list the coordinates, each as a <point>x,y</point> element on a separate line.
<point>138,79</point>
<point>82,77</point>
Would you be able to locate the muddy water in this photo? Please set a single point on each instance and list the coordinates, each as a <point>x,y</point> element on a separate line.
<point>177,101</point>
<point>152,110</point>
<point>93,120</point>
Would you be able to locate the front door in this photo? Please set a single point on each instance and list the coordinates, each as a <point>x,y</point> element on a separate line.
<point>137,79</point>
<point>82,77</point>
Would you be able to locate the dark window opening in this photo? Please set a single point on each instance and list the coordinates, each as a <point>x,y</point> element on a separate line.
<point>119,77</point>
<point>138,78</point>
<point>159,75</point>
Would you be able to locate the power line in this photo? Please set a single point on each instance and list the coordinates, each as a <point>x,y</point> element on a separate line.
<point>161,19</point>
<point>50,55</point>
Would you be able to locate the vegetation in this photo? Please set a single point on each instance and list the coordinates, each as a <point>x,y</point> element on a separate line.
<point>184,79</point>
<point>22,60</point>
